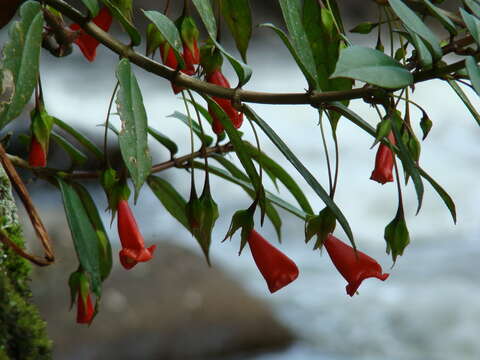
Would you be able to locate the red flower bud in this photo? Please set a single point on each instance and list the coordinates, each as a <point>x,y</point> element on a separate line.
<point>277,269</point>
<point>191,58</point>
<point>169,59</point>
<point>133,246</point>
<point>85,310</point>
<point>88,44</point>
<point>354,267</point>
<point>216,77</point>
<point>37,156</point>
<point>384,162</point>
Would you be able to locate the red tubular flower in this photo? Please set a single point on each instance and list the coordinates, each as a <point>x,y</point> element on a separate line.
<point>384,162</point>
<point>191,58</point>
<point>216,77</point>
<point>133,246</point>
<point>277,269</point>
<point>37,156</point>
<point>170,60</point>
<point>85,310</point>
<point>88,44</point>
<point>354,267</point>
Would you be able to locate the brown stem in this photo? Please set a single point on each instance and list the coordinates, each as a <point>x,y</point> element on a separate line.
<point>31,210</point>
<point>175,162</point>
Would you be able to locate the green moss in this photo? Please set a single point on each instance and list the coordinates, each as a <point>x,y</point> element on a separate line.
<point>23,333</point>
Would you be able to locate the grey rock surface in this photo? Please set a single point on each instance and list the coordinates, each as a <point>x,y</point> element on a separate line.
<point>173,307</point>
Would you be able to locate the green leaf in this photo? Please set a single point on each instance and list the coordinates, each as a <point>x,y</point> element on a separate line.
<point>473,25</point>
<point>282,175</point>
<point>473,73</point>
<point>83,234</point>
<point>247,185</point>
<point>204,8</point>
<point>326,43</point>
<point>364,27</point>
<point>76,156</point>
<point>117,13</point>
<point>206,115</point>
<point>473,6</point>
<point>461,94</point>
<point>205,139</point>
<point>241,179</point>
<point>292,13</point>
<point>409,165</point>
<point>307,175</point>
<point>21,56</point>
<point>373,67</point>
<point>415,24</point>
<point>310,78</point>
<point>164,140</point>
<point>357,120</point>
<point>169,31</point>
<point>440,15</point>
<point>173,202</point>
<point>442,193</point>
<point>239,146</point>
<point>104,247</point>
<point>423,54</point>
<point>92,6</point>
<point>82,139</point>
<point>133,136</point>
<point>238,17</point>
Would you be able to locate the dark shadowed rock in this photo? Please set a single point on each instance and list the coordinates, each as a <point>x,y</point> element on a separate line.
<point>173,307</point>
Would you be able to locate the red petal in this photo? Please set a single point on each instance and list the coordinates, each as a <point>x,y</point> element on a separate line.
<point>354,267</point>
<point>37,156</point>
<point>384,161</point>
<point>133,245</point>
<point>277,269</point>
<point>84,315</point>
<point>87,44</point>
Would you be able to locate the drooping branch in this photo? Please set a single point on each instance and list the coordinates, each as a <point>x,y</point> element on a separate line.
<point>175,162</point>
<point>314,99</point>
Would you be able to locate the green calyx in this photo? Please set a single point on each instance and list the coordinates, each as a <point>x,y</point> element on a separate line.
<point>320,225</point>
<point>41,125</point>
<point>383,129</point>
<point>155,39</point>
<point>115,188</point>
<point>242,219</point>
<point>211,58</point>
<point>78,282</point>
<point>188,31</point>
<point>396,236</point>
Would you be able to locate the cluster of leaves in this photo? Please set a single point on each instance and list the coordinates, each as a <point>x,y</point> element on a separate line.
<point>320,46</point>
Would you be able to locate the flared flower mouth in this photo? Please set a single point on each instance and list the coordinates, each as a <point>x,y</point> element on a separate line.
<point>353,286</point>
<point>353,266</point>
<point>131,257</point>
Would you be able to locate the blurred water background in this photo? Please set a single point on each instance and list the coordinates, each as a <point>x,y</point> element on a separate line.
<point>428,309</point>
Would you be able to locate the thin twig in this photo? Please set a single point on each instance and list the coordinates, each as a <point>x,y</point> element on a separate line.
<point>31,210</point>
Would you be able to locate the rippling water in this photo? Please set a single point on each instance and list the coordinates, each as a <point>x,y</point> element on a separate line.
<point>429,308</point>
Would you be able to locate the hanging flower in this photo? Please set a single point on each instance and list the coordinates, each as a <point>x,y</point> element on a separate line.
<point>37,156</point>
<point>216,77</point>
<point>354,267</point>
<point>277,269</point>
<point>88,44</point>
<point>169,59</point>
<point>384,162</point>
<point>85,310</point>
<point>133,246</point>
<point>189,34</point>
